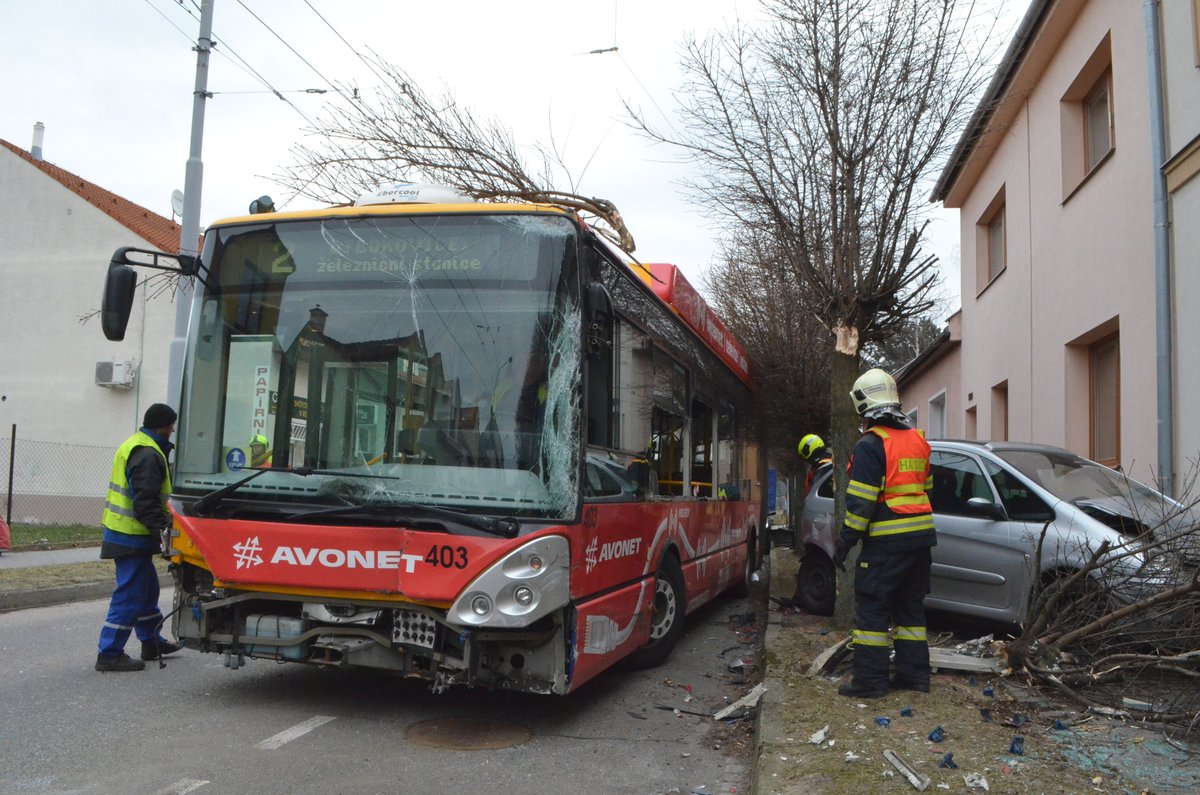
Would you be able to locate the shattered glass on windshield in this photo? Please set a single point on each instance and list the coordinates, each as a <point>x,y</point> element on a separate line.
<point>432,358</point>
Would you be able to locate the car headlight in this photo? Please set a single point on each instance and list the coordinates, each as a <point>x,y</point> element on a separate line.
<point>526,584</point>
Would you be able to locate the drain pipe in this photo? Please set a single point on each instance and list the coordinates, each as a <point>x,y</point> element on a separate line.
<point>1162,253</point>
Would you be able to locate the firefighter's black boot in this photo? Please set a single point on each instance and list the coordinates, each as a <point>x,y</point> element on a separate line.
<point>853,689</point>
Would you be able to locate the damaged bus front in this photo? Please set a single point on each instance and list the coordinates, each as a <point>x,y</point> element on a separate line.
<point>379,442</point>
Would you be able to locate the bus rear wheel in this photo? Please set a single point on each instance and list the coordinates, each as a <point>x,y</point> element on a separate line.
<point>666,616</point>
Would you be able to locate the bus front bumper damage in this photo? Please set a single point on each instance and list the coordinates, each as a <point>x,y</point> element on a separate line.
<point>505,631</point>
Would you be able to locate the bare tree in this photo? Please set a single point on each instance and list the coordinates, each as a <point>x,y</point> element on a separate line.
<point>913,337</point>
<point>817,129</point>
<point>776,321</point>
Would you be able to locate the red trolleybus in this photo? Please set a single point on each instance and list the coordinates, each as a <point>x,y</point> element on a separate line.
<point>501,453</point>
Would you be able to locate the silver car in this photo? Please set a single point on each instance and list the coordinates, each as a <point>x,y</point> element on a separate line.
<point>991,503</point>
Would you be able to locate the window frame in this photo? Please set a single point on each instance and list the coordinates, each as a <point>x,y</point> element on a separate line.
<point>1080,158</point>
<point>986,271</point>
<point>1102,88</point>
<point>1110,343</point>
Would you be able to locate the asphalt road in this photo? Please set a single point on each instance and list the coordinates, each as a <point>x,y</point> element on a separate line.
<point>196,726</point>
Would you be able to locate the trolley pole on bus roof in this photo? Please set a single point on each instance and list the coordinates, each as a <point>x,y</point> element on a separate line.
<point>189,224</point>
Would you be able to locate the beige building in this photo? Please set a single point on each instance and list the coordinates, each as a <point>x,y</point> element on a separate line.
<point>1055,181</point>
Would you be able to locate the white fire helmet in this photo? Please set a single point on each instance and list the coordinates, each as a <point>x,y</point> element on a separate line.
<point>874,391</point>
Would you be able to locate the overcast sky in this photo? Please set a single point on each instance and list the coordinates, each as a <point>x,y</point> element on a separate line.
<point>112,82</point>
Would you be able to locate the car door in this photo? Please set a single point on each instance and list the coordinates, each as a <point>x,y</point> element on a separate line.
<point>980,566</point>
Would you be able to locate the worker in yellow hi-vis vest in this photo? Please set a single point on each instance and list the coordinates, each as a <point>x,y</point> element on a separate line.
<point>136,520</point>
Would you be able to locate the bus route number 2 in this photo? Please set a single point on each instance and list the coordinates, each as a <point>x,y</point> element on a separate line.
<point>447,557</point>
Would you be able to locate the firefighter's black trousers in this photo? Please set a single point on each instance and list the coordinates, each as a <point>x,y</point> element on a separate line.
<point>890,588</point>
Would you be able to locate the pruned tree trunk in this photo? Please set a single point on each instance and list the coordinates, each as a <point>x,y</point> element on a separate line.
<point>843,371</point>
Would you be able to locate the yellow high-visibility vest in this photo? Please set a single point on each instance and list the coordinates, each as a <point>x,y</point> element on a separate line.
<point>118,506</point>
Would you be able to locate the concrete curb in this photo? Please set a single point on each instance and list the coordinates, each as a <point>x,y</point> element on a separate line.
<point>62,594</point>
<point>767,730</point>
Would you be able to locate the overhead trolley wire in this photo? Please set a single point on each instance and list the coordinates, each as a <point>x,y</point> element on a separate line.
<point>285,43</point>
<point>223,49</point>
<point>369,65</point>
<point>168,20</point>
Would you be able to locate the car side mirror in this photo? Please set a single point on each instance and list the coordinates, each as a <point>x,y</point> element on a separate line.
<point>984,507</point>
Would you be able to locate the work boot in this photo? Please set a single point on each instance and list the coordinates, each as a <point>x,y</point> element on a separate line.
<point>153,649</point>
<point>122,662</point>
<point>853,689</point>
<point>899,683</point>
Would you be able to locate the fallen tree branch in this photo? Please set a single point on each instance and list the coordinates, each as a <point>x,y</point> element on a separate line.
<point>1105,620</point>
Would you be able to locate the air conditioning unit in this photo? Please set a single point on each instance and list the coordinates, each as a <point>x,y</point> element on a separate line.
<point>114,373</point>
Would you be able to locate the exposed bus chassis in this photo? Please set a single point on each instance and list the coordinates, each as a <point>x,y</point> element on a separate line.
<point>409,639</point>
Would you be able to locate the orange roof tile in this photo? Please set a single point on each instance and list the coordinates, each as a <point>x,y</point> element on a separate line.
<point>162,233</point>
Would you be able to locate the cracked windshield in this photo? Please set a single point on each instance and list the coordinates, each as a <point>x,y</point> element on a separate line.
<point>431,359</point>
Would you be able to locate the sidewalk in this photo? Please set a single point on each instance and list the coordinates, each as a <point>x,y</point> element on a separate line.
<point>48,557</point>
<point>60,594</point>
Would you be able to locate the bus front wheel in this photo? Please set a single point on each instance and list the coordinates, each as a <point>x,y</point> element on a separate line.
<point>666,616</point>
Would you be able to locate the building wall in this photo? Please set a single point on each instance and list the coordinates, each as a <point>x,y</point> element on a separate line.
<point>1079,259</point>
<point>939,379</point>
<point>1181,47</point>
<point>54,249</point>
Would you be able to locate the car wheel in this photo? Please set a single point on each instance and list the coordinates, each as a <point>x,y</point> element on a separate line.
<point>666,616</point>
<point>816,584</point>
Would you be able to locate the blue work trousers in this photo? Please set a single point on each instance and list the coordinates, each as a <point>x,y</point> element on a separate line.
<point>134,604</point>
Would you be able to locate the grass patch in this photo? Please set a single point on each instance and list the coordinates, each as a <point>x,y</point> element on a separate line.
<point>37,577</point>
<point>49,536</point>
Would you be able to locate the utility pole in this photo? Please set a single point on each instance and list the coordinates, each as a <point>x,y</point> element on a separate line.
<point>189,231</point>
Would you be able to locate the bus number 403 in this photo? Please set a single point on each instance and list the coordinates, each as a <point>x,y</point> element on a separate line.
<point>447,557</point>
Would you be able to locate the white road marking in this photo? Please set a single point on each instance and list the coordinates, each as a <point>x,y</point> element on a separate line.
<point>182,787</point>
<point>299,730</point>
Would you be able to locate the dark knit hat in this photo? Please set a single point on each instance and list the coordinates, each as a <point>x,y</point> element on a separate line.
<point>159,415</point>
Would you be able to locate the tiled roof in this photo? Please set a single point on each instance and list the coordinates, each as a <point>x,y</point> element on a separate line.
<point>162,233</point>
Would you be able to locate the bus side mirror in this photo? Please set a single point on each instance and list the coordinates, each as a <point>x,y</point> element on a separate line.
<point>117,303</point>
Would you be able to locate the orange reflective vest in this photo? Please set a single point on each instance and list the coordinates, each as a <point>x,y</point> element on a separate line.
<point>907,452</point>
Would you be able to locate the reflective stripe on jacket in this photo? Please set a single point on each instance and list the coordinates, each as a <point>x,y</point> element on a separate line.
<point>119,515</point>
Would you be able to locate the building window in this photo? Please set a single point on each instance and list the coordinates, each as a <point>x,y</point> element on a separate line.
<point>1000,412</point>
<point>997,250</point>
<point>937,417</point>
<point>1097,122</point>
<point>1087,116</point>
<point>991,233</point>
<point>1104,377</point>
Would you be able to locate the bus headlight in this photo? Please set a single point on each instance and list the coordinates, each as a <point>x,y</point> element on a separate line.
<point>526,584</point>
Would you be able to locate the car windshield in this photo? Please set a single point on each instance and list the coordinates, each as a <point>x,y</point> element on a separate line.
<point>431,358</point>
<point>1078,480</point>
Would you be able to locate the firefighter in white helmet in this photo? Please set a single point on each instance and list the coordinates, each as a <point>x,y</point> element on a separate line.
<point>887,508</point>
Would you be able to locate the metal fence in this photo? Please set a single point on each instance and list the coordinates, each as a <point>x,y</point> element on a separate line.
<point>54,483</point>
